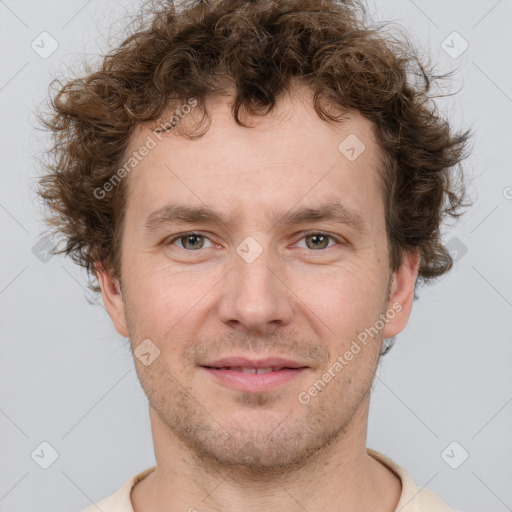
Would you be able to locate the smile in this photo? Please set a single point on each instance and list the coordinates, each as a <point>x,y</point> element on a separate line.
<point>254,379</point>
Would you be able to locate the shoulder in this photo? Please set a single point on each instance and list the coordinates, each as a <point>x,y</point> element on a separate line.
<point>120,501</point>
<point>413,498</point>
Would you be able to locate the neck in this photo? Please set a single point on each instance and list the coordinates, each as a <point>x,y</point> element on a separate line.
<point>341,476</point>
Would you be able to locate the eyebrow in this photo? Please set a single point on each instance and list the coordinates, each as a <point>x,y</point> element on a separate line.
<point>187,214</point>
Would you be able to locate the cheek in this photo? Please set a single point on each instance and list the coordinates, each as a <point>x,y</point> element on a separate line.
<point>344,296</point>
<point>340,303</point>
<point>163,299</point>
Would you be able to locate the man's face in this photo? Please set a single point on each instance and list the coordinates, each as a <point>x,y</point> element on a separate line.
<point>250,287</point>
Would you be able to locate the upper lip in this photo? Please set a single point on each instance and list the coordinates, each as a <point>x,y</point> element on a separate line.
<point>244,362</point>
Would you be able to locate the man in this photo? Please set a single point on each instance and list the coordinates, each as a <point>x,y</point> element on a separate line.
<point>257,186</point>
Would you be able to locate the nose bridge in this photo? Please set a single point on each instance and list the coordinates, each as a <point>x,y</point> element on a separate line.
<point>254,294</point>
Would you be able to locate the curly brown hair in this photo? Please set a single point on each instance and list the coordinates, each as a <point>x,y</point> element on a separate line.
<point>260,48</point>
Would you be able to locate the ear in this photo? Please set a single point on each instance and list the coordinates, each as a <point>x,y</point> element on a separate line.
<point>401,294</point>
<point>112,299</point>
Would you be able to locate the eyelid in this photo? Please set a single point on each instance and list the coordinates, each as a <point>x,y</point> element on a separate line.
<point>174,238</point>
<point>302,234</point>
<point>338,238</point>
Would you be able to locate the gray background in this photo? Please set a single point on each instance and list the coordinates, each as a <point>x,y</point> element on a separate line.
<point>68,379</point>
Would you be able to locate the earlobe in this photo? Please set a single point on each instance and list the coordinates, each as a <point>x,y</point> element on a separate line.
<point>401,294</point>
<point>112,299</point>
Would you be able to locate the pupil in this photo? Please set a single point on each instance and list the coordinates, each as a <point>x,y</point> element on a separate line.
<point>189,237</point>
<point>318,240</point>
<point>322,238</point>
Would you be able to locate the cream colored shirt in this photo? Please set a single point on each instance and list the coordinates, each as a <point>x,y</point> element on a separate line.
<point>412,499</point>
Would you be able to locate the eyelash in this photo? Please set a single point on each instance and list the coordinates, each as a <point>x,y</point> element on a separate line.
<point>304,235</point>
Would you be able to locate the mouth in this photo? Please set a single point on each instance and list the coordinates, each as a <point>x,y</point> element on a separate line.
<point>254,376</point>
<point>251,369</point>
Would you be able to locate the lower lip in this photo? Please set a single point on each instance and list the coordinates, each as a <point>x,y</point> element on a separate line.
<point>255,381</point>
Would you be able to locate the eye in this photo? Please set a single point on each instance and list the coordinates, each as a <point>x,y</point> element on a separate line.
<point>189,241</point>
<point>193,241</point>
<point>317,240</point>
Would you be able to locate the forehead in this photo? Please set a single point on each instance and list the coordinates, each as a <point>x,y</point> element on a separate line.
<point>283,159</point>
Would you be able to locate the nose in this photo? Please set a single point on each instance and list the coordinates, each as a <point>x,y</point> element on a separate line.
<point>255,297</point>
